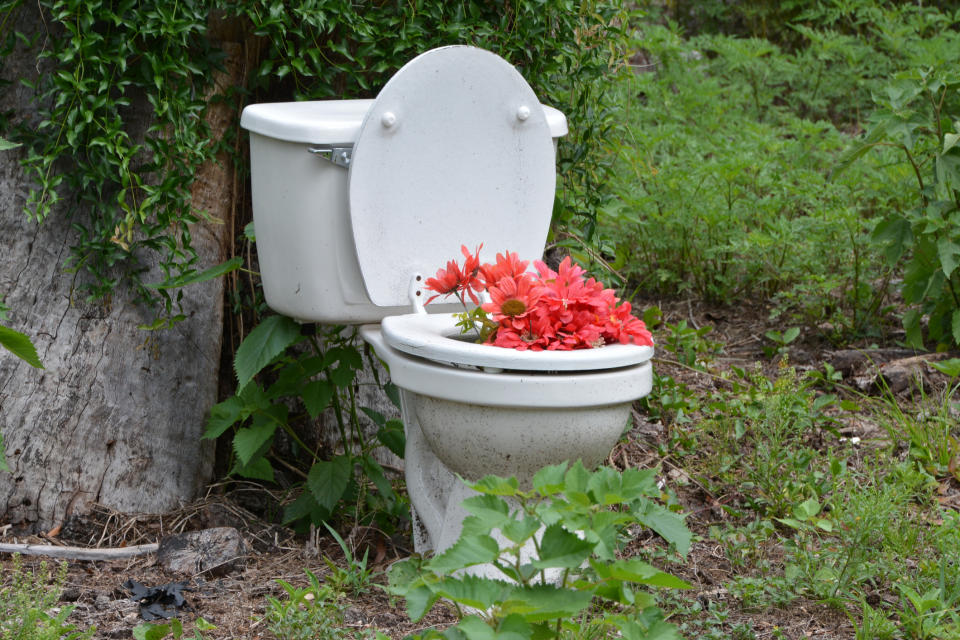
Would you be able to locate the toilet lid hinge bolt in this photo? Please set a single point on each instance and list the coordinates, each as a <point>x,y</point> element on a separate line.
<point>416,293</point>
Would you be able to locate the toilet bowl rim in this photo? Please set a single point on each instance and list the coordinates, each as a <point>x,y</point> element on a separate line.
<point>433,336</point>
<point>511,389</point>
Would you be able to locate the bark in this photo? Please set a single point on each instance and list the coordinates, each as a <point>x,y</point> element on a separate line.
<point>117,414</point>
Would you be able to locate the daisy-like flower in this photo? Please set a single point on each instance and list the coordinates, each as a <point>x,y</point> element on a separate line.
<point>456,280</point>
<point>507,265</point>
<point>552,310</point>
<point>513,297</point>
<point>623,327</point>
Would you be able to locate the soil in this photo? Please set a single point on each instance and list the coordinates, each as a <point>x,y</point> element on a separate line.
<point>236,602</point>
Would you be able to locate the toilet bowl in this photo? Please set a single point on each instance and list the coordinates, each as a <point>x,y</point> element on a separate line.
<point>353,200</point>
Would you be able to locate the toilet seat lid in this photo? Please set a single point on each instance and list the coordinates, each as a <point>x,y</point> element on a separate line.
<point>455,150</point>
<point>433,336</point>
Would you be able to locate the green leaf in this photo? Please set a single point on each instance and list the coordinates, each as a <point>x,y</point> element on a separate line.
<point>473,628</point>
<point>259,469</point>
<point>950,367</point>
<point>465,552</point>
<point>248,441</point>
<point>911,324</point>
<point>207,274</point>
<point>949,141</point>
<point>327,480</point>
<point>419,601</point>
<point>668,524</point>
<point>549,480</point>
<point>522,529</point>
<point>948,252</point>
<point>497,486</point>
<point>268,340</point>
<point>896,235</point>
<point>490,508</point>
<point>576,478</point>
<point>473,591</point>
<point>316,396</point>
<point>636,570</point>
<point>223,416</point>
<point>561,548</point>
<point>305,506</point>
<point>4,466</point>
<point>20,345</point>
<point>806,509</point>
<point>540,602</point>
<point>392,436</point>
<point>6,144</point>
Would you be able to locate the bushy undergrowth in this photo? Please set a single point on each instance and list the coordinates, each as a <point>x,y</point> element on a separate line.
<point>743,174</point>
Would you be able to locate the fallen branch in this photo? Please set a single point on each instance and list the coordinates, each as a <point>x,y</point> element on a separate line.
<point>78,553</point>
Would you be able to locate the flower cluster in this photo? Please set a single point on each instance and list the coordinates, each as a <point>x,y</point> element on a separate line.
<point>546,310</point>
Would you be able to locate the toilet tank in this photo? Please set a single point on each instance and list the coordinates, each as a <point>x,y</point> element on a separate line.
<point>299,160</point>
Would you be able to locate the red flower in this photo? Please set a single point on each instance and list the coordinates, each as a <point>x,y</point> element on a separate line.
<point>513,297</point>
<point>553,310</point>
<point>456,280</point>
<point>507,265</point>
<point>621,326</point>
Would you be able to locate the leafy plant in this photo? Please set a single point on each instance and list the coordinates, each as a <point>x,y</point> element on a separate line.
<point>781,341</point>
<point>301,377</point>
<point>356,577</point>
<point>27,601</point>
<point>173,629</point>
<point>915,115</point>
<point>547,559</point>
<point>314,612</point>
<point>931,432</point>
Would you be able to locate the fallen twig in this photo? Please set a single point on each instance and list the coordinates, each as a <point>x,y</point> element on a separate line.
<point>78,553</point>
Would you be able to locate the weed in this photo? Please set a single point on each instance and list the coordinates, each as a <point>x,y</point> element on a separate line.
<point>353,579</point>
<point>932,433</point>
<point>28,600</point>
<point>314,612</point>
<point>174,629</point>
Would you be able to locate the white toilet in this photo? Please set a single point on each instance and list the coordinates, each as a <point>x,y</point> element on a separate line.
<point>356,201</point>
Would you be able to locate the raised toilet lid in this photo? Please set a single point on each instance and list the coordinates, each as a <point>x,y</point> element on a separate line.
<point>454,151</point>
<point>432,336</point>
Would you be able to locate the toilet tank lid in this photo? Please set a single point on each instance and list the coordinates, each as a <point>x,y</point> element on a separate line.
<point>333,121</point>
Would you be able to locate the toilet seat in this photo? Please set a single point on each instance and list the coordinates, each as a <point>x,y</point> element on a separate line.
<point>455,150</point>
<point>434,337</point>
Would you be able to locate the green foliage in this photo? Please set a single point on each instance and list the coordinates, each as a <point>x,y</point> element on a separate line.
<point>173,629</point>
<point>554,548</point>
<point>723,190</point>
<point>129,181</point>
<point>314,612</point>
<point>300,377</point>
<point>931,431</point>
<point>919,116</point>
<point>27,605</point>
<point>19,345</point>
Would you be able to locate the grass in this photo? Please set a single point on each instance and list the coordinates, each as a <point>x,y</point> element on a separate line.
<point>29,604</point>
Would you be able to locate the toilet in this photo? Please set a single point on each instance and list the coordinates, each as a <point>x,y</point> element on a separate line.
<point>356,202</point>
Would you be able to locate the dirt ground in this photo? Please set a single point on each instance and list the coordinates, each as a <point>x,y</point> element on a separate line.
<point>235,603</point>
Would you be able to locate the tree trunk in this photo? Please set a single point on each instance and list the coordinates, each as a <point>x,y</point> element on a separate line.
<point>117,414</point>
